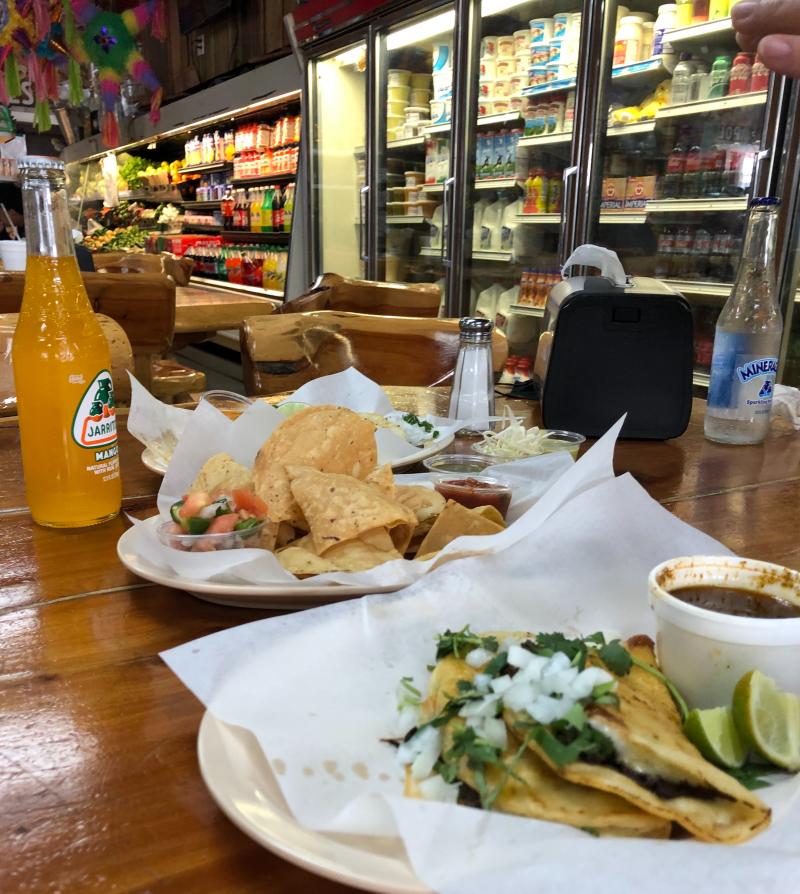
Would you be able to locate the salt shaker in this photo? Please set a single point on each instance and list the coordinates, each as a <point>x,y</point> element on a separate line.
<point>472,397</point>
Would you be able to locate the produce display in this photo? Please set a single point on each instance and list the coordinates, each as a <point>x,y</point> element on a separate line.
<point>116,239</point>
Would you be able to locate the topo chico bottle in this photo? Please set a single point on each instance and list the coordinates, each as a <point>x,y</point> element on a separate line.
<point>61,359</point>
<point>748,339</point>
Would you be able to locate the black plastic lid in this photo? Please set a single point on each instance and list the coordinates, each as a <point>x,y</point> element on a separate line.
<point>764,201</point>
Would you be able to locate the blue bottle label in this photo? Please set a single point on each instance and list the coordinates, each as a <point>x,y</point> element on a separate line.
<point>741,381</point>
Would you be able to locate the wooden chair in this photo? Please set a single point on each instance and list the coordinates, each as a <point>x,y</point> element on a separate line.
<point>121,362</point>
<point>142,304</point>
<point>165,263</point>
<point>334,292</point>
<point>282,352</point>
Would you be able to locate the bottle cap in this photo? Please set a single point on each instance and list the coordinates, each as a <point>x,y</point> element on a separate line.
<point>475,329</point>
<point>764,201</point>
<point>39,163</point>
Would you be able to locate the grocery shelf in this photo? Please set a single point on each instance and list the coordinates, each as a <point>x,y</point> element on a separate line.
<point>206,281</point>
<point>657,206</point>
<point>481,121</point>
<point>623,217</point>
<point>407,143</point>
<point>502,257</point>
<point>404,220</point>
<point>147,195</point>
<point>546,139</point>
<point>711,289</point>
<point>202,228</point>
<point>432,187</point>
<point>706,106</point>
<point>275,238</point>
<point>207,168</point>
<point>549,87</point>
<point>427,252</point>
<point>265,178</point>
<point>640,74</point>
<point>538,218</point>
<point>527,310</point>
<point>499,183</point>
<point>718,33</point>
<point>444,127</point>
<point>637,127</point>
<point>202,206</point>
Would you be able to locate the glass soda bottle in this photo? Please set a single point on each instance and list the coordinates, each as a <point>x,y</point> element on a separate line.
<point>65,395</point>
<point>747,340</point>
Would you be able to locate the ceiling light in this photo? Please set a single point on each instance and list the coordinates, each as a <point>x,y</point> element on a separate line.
<point>421,31</point>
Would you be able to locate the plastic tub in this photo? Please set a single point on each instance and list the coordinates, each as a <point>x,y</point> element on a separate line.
<point>489,47</point>
<point>506,65</point>
<point>439,109</point>
<point>502,105</point>
<point>443,84</point>
<point>522,62</point>
<point>417,113</point>
<point>425,207</point>
<point>505,46</point>
<point>522,40</point>
<point>415,178</point>
<point>13,254</point>
<point>399,77</point>
<point>705,653</point>
<point>555,441</point>
<point>450,465</point>
<point>485,107</point>
<point>396,107</point>
<point>502,88</point>
<point>398,92</point>
<point>209,542</point>
<point>420,81</point>
<point>488,69</point>
<point>420,96</point>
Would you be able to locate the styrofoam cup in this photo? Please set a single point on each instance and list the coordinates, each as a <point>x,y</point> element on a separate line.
<point>13,254</point>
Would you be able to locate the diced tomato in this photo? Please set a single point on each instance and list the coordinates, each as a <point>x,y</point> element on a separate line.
<point>174,529</point>
<point>247,500</point>
<point>193,503</point>
<point>204,545</point>
<point>223,524</point>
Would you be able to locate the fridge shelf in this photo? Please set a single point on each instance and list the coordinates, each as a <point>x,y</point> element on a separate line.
<point>240,288</point>
<point>706,106</point>
<point>546,139</point>
<point>482,121</point>
<point>623,217</point>
<point>210,205</point>
<point>711,289</point>
<point>432,187</point>
<point>499,183</point>
<point>427,252</point>
<point>527,310</point>
<point>407,143</point>
<point>549,87</point>
<point>638,127</point>
<point>657,206</point>
<point>502,257</point>
<point>282,177</point>
<point>404,220</point>
<point>538,218</point>
<point>640,74</point>
<point>207,168</point>
<point>718,33</point>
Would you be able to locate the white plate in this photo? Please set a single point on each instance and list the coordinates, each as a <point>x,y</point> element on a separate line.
<point>241,781</point>
<point>156,464</point>
<point>265,596</point>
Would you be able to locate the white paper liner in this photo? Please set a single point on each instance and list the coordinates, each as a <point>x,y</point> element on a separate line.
<point>318,690</point>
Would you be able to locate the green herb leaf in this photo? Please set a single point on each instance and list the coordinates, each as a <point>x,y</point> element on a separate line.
<point>408,684</point>
<point>461,642</point>
<point>497,663</point>
<point>616,658</point>
<point>749,775</point>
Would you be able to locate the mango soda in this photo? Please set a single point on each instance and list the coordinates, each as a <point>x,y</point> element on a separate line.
<point>61,360</point>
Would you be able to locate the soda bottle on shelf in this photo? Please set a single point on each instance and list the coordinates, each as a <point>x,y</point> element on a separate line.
<point>65,393</point>
<point>699,11</point>
<point>692,174</point>
<point>682,80</point>
<point>720,77</point>
<point>664,251</point>
<point>741,72</point>
<point>759,76</point>
<point>747,339</point>
<point>226,206</point>
<point>676,163</point>
<point>713,173</point>
<point>277,210</point>
<point>255,211</point>
<point>288,208</point>
<point>266,210</point>
<point>701,248</point>
<point>553,192</point>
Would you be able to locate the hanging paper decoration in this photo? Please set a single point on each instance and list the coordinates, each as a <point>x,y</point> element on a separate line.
<point>108,40</point>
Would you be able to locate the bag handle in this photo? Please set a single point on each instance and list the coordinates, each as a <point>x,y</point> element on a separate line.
<point>596,256</point>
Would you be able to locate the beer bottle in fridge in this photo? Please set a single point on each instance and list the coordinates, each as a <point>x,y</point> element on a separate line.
<point>747,339</point>
<point>62,369</point>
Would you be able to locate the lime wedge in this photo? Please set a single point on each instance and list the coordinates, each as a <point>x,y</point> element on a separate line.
<point>714,733</point>
<point>768,720</point>
<point>290,407</point>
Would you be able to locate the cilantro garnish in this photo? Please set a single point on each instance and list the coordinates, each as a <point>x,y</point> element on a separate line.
<point>749,775</point>
<point>616,657</point>
<point>427,427</point>
<point>462,642</point>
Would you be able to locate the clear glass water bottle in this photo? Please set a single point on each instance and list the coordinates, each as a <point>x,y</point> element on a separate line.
<point>748,339</point>
<point>472,396</point>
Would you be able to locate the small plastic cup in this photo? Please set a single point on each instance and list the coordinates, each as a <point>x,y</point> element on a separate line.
<point>228,402</point>
<point>570,441</point>
<point>14,254</point>
<point>456,465</point>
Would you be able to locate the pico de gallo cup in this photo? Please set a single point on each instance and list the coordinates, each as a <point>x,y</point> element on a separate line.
<point>201,543</point>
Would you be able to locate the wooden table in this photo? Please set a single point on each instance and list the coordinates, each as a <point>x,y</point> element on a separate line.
<point>99,784</point>
<point>201,311</point>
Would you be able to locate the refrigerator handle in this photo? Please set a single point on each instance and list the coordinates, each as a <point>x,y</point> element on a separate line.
<point>362,194</point>
<point>755,181</point>
<point>446,198</point>
<point>568,179</point>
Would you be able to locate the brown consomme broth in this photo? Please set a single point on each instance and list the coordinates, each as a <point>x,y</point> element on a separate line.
<point>742,603</point>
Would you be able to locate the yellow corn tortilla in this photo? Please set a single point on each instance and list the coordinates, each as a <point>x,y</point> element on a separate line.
<point>223,474</point>
<point>537,791</point>
<point>304,563</point>
<point>425,502</point>
<point>454,521</point>
<point>646,732</point>
<point>383,479</point>
<point>326,438</point>
<point>339,508</point>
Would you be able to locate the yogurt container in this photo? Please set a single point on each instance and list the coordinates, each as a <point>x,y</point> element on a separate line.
<point>522,40</point>
<point>502,88</point>
<point>551,71</point>
<point>420,81</point>
<point>415,114</point>
<point>485,107</point>
<point>396,107</point>
<point>554,54</point>
<point>439,111</point>
<point>560,22</point>
<point>518,103</point>
<point>485,89</point>
<point>442,58</point>
<point>501,105</point>
<point>443,84</point>
<point>517,82</point>
<point>505,46</point>
<point>505,66</point>
<point>414,178</point>
<point>489,48</point>
<point>522,62</point>
<point>399,77</point>
<point>538,75</point>
<point>541,31</point>
<point>488,68</point>
<point>419,96</point>
<point>397,92</point>
<point>540,53</point>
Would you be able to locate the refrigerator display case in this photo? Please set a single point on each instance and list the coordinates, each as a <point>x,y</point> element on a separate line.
<point>498,135</point>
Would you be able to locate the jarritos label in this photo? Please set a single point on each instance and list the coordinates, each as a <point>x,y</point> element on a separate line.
<point>95,424</point>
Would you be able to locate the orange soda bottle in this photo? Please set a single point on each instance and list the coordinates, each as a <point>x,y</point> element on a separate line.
<point>61,360</point>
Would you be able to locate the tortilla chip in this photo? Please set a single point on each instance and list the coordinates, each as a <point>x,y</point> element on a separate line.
<point>221,472</point>
<point>425,502</point>
<point>359,555</point>
<point>268,536</point>
<point>646,731</point>
<point>383,479</point>
<point>533,790</point>
<point>339,508</point>
<point>454,521</point>
<point>326,438</point>
<point>492,514</point>
<point>303,563</point>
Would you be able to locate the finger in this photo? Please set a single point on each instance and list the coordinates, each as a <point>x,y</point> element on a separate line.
<point>767,17</point>
<point>781,53</point>
<point>747,42</point>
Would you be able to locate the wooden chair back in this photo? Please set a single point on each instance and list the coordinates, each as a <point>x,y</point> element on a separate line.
<point>334,292</point>
<point>121,362</point>
<point>282,352</point>
<point>143,305</point>
<point>165,263</point>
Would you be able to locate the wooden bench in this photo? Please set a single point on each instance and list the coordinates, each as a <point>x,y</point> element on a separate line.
<point>283,351</point>
<point>334,292</point>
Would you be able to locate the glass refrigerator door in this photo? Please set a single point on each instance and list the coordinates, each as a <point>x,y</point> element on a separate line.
<point>526,100</point>
<point>338,82</point>
<point>687,112</point>
<point>415,97</point>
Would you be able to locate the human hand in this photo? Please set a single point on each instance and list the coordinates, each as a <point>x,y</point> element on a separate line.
<point>772,29</point>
